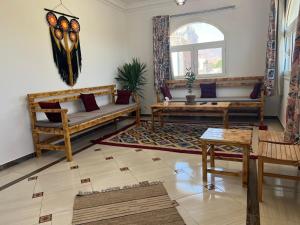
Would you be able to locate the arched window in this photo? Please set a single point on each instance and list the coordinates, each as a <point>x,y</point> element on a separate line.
<point>199,46</point>
<point>290,34</point>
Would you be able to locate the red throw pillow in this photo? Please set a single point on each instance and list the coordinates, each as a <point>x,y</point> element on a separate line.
<point>123,97</point>
<point>208,90</point>
<point>256,91</point>
<point>52,117</point>
<point>165,90</point>
<point>89,102</point>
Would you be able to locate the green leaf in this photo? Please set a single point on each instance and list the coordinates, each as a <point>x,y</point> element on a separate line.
<point>131,76</point>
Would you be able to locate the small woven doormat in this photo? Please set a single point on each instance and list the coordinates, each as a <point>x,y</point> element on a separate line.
<point>143,204</point>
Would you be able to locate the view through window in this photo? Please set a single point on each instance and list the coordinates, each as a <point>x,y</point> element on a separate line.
<point>290,33</point>
<point>199,46</point>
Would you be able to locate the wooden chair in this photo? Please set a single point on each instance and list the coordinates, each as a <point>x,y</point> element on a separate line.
<point>276,153</point>
<point>272,137</point>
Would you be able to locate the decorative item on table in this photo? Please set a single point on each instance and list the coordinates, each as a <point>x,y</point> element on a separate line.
<point>131,77</point>
<point>165,91</point>
<point>166,102</point>
<point>190,79</point>
<point>66,50</point>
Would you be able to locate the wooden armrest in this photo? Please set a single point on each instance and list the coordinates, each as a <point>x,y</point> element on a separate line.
<point>63,113</point>
<point>50,110</point>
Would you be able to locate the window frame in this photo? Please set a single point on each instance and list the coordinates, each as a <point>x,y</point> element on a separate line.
<point>194,48</point>
<point>289,39</point>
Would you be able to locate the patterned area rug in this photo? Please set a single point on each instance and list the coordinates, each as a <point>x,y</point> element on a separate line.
<point>174,136</point>
<point>144,204</point>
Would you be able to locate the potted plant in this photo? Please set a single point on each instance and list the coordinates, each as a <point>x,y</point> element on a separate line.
<point>190,78</point>
<point>131,76</point>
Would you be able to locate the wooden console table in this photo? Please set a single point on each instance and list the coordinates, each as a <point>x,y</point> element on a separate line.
<point>181,109</point>
<point>231,137</point>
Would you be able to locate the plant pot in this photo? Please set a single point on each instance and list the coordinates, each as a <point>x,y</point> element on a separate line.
<point>190,99</point>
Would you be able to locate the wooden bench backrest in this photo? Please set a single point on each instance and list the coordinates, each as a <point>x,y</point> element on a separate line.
<point>70,95</point>
<point>220,82</point>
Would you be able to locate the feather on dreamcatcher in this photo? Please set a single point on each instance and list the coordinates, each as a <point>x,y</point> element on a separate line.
<point>65,46</point>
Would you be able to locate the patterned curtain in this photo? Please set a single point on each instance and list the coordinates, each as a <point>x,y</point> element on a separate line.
<point>161,50</point>
<point>293,105</point>
<point>271,55</point>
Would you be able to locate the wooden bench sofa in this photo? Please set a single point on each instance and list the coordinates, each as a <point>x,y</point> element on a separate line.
<point>73,122</point>
<point>237,103</point>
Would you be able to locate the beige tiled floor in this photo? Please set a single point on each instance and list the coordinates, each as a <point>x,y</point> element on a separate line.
<point>182,176</point>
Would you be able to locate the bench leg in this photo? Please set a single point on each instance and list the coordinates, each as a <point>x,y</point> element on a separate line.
<point>261,115</point>
<point>68,147</point>
<point>212,156</point>
<point>36,141</point>
<point>67,138</point>
<point>116,123</point>
<point>138,117</point>
<point>225,119</point>
<point>260,178</point>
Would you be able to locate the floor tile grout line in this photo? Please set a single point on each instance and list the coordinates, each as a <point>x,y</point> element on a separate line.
<point>191,195</point>
<point>3,187</point>
<point>41,208</point>
<point>190,216</point>
<point>41,169</point>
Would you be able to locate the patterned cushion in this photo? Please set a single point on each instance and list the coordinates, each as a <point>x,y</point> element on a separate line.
<point>123,97</point>
<point>89,102</point>
<point>256,91</point>
<point>208,90</point>
<point>52,117</point>
<point>165,90</point>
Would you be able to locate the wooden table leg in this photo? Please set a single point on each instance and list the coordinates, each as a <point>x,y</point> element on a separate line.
<point>260,177</point>
<point>161,119</point>
<point>212,156</point>
<point>152,119</point>
<point>204,161</point>
<point>246,158</point>
<point>225,119</point>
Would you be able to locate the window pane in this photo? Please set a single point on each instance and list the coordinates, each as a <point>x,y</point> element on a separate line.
<point>180,62</point>
<point>293,11</point>
<point>195,33</point>
<point>210,61</point>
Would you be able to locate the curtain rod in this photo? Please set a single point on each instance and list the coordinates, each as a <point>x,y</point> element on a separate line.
<point>204,11</point>
<point>63,14</point>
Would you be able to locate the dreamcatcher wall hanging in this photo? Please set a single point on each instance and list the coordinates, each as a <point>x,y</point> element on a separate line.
<point>64,34</point>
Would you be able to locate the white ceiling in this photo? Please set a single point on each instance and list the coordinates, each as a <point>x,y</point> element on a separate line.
<point>133,1</point>
<point>131,4</point>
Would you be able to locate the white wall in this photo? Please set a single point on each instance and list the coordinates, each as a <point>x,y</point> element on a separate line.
<point>245,31</point>
<point>27,65</point>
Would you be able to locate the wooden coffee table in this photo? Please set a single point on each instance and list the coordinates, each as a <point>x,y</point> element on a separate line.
<point>230,137</point>
<point>181,109</point>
